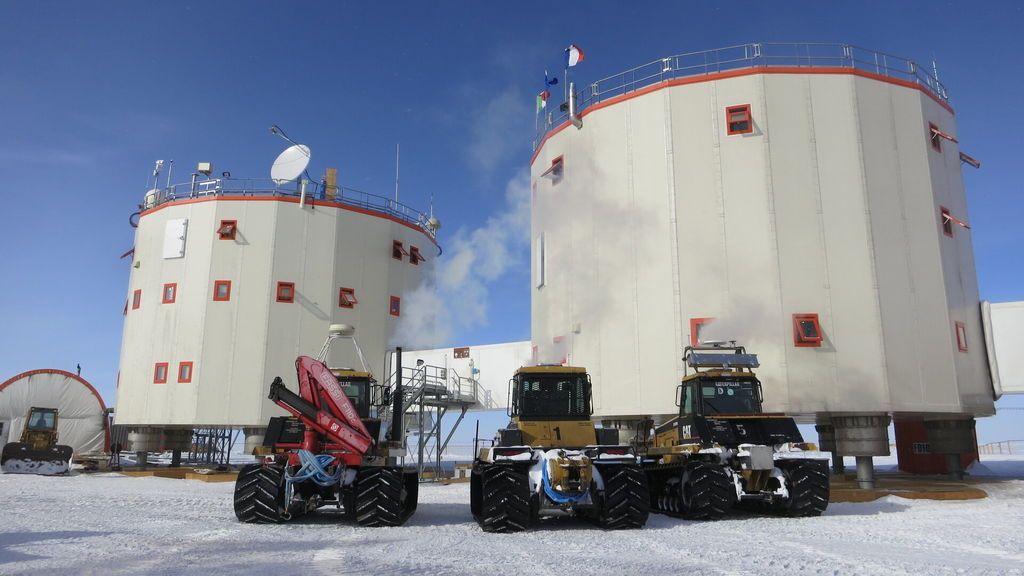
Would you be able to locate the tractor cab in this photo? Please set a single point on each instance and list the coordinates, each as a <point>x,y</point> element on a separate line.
<point>723,382</point>
<point>42,420</point>
<point>720,402</point>
<point>550,406</point>
<point>550,393</point>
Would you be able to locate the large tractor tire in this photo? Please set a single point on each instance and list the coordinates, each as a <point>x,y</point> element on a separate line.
<point>259,494</point>
<point>380,497</point>
<point>704,492</point>
<point>626,497</point>
<point>808,485</point>
<point>505,500</point>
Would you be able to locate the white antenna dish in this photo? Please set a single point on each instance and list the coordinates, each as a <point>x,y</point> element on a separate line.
<point>290,164</point>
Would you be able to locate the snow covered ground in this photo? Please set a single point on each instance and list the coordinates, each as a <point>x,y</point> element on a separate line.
<point>112,524</point>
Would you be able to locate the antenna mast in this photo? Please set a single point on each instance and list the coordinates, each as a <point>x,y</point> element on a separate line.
<point>397,150</point>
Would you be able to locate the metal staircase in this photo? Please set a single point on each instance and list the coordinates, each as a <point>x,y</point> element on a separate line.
<point>428,393</point>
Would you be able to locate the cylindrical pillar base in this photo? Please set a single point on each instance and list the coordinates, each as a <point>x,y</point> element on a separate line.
<point>254,438</point>
<point>175,458</point>
<point>141,459</point>
<point>838,466</point>
<point>865,473</point>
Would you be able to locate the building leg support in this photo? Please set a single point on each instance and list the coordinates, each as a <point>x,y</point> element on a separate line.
<point>862,436</point>
<point>865,473</point>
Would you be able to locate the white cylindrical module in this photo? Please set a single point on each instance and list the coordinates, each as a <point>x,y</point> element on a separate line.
<point>229,285</point>
<point>814,213</point>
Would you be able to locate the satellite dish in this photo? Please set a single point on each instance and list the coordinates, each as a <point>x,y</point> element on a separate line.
<point>290,164</point>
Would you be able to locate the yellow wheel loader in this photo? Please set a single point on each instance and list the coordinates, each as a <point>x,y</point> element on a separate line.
<point>38,451</point>
<point>551,460</point>
<point>722,451</point>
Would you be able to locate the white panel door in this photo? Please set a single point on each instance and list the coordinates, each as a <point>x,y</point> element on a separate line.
<point>174,238</point>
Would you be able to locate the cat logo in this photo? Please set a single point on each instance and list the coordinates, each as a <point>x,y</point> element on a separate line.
<point>684,431</point>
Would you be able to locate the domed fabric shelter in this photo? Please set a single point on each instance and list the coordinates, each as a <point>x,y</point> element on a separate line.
<point>81,419</point>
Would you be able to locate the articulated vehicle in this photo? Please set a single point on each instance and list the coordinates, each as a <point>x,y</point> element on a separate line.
<point>551,460</point>
<point>38,451</point>
<point>330,451</point>
<point>722,451</point>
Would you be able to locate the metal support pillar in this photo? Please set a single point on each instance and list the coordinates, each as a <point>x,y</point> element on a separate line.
<point>865,473</point>
<point>175,458</point>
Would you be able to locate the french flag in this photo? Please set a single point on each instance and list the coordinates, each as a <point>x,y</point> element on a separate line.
<point>573,55</point>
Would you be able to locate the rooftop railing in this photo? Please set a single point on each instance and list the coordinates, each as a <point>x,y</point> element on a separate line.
<point>743,56</point>
<point>319,191</point>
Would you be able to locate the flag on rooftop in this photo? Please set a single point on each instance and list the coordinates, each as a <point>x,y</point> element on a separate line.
<point>549,81</point>
<point>542,100</point>
<point>573,55</point>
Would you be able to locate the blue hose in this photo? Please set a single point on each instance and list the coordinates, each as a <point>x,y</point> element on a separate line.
<point>313,467</point>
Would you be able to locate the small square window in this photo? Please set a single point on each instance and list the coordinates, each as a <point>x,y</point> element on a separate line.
<point>934,137</point>
<point>184,372</point>
<point>738,119</point>
<point>347,298</point>
<point>806,331</point>
<point>286,292</point>
<point>961,337</point>
<point>396,306</point>
<point>555,172</point>
<point>397,250</point>
<point>221,290</point>
<point>136,299</point>
<point>697,327</point>
<point>160,373</point>
<point>227,229</point>
<point>414,256</point>
<point>947,221</point>
<point>170,293</point>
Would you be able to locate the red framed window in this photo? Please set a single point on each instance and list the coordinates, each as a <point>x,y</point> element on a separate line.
<point>414,256</point>
<point>738,120</point>
<point>136,299</point>
<point>961,336</point>
<point>227,229</point>
<point>397,250</point>
<point>170,293</point>
<point>286,292</point>
<point>697,326</point>
<point>160,373</point>
<point>347,298</point>
<point>184,372</point>
<point>221,290</point>
<point>556,170</point>
<point>396,306</point>
<point>934,138</point>
<point>947,221</point>
<point>806,331</point>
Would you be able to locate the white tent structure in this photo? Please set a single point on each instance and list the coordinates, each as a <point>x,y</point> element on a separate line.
<point>81,417</point>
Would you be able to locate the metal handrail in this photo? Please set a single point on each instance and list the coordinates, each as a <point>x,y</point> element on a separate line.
<point>740,56</point>
<point>265,187</point>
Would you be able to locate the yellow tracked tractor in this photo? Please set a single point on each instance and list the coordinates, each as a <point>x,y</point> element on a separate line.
<point>38,451</point>
<point>722,451</point>
<point>551,460</point>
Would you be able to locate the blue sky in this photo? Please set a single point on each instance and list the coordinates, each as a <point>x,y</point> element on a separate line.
<point>92,93</point>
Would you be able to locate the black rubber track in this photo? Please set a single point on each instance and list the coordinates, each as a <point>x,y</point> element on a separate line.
<point>626,497</point>
<point>709,493</point>
<point>259,494</point>
<point>379,497</point>
<point>505,500</point>
<point>808,485</point>
<point>476,490</point>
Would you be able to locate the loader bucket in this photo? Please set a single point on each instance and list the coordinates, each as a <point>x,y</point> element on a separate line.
<point>20,458</point>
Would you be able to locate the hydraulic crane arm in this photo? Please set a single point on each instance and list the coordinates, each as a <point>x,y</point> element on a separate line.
<point>337,420</point>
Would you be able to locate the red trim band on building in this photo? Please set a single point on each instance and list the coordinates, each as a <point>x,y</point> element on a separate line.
<point>736,74</point>
<point>291,200</point>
